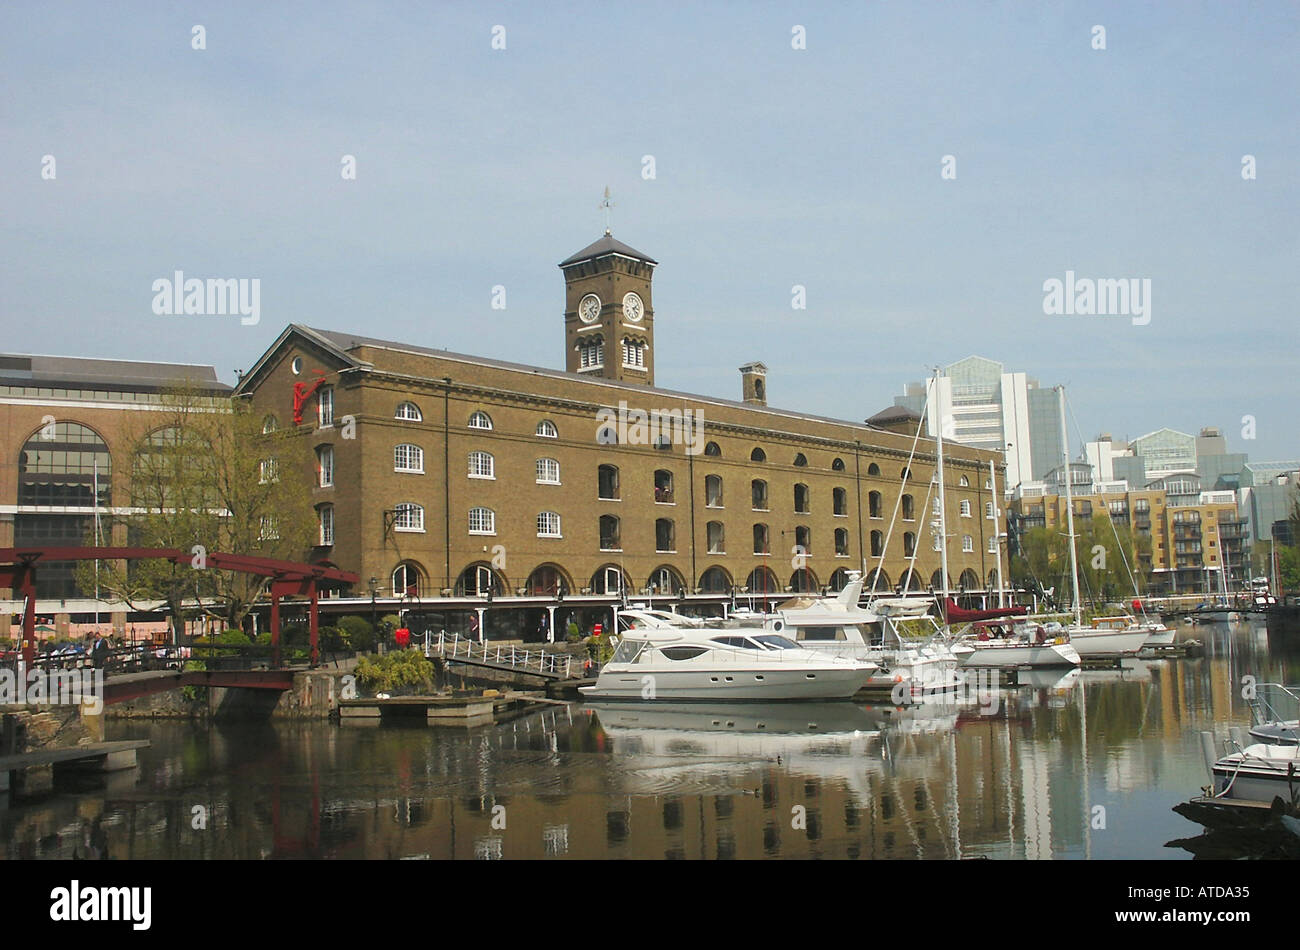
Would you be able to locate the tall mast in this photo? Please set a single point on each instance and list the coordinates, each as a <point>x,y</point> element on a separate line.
<point>1069,514</point>
<point>943,507</point>
<point>997,535</point>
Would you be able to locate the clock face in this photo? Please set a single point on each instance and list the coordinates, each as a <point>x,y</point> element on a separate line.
<point>589,308</point>
<point>633,308</point>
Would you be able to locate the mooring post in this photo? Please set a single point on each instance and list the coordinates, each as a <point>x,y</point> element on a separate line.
<point>315,624</point>
<point>275,628</point>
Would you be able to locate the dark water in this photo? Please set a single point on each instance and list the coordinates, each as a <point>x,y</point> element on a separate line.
<point>1088,767</point>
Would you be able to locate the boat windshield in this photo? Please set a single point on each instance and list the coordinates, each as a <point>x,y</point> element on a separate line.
<point>627,651</point>
<point>743,642</point>
<point>776,641</point>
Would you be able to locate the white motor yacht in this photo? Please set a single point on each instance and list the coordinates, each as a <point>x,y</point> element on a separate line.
<point>839,627</point>
<point>660,660</point>
<point>1258,773</point>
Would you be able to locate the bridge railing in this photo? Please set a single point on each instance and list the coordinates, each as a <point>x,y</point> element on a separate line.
<point>455,646</point>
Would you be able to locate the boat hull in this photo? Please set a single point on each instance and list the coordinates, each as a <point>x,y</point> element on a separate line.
<point>1108,642</point>
<point>1016,655</point>
<point>1160,638</point>
<point>727,685</point>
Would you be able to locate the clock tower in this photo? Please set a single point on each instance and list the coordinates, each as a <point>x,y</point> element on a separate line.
<point>608,314</point>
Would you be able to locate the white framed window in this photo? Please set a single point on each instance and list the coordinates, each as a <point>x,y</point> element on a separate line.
<point>967,543</point>
<point>268,529</point>
<point>408,411</point>
<point>548,472</point>
<point>325,520</point>
<point>408,516</point>
<point>325,466</point>
<point>482,465</point>
<point>325,407</point>
<point>988,509</point>
<point>546,430</point>
<point>964,483</point>
<point>965,509</point>
<point>936,542</point>
<point>270,424</point>
<point>482,521</point>
<point>480,420</point>
<point>591,354</point>
<point>408,458</point>
<point>406,580</point>
<point>548,525</point>
<point>268,471</point>
<point>993,544</point>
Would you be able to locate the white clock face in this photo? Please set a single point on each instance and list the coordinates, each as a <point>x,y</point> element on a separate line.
<point>589,308</point>
<point>633,308</point>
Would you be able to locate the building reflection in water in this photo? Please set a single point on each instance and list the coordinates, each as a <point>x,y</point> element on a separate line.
<point>1023,777</point>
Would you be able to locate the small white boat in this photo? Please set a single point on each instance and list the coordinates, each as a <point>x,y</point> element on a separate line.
<point>995,644</point>
<point>1109,636</point>
<point>1258,773</point>
<point>1275,710</point>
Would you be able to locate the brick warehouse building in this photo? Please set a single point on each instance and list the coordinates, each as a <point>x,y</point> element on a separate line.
<point>453,482</point>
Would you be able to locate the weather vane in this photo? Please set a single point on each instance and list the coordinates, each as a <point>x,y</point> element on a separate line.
<point>607,204</point>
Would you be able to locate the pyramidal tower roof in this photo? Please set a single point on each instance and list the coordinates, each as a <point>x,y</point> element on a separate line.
<point>608,244</point>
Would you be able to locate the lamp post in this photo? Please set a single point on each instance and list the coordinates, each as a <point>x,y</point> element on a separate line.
<point>374,589</point>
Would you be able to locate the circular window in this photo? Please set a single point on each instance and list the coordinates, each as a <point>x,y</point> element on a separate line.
<point>296,365</point>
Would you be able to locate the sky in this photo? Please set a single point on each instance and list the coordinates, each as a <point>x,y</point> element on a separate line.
<point>920,169</point>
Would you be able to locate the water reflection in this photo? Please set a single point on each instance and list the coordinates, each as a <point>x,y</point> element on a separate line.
<point>1066,765</point>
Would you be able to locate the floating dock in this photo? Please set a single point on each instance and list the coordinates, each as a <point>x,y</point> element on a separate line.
<point>97,756</point>
<point>463,711</point>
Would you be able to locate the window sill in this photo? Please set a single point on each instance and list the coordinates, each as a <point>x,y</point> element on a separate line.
<point>483,534</point>
<point>540,482</point>
<point>719,553</point>
<point>670,503</point>
<point>485,478</point>
<point>612,550</point>
<point>409,471</point>
<point>602,498</point>
<point>409,530</point>
<point>551,536</point>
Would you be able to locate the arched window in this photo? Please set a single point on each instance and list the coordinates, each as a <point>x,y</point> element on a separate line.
<point>909,508</point>
<point>715,581</point>
<point>841,542</point>
<point>878,578</point>
<point>546,430</point>
<point>761,545</point>
<point>839,580</point>
<point>665,536</point>
<point>408,411</point>
<point>607,483</point>
<point>873,469</point>
<point>591,352</point>
<point>57,468</point>
<point>874,506</point>
<point>800,460</point>
<point>758,455</point>
<point>837,465</point>
<point>964,482</point>
<point>548,525</point>
<point>717,537</point>
<point>663,487</point>
<point>877,543</point>
<point>713,449</point>
<point>408,516</point>
<point>610,539</point>
<point>270,424</point>
<point>758,494</point>
<point>909,581</point>
<point>803,581</point>
<point>482,521</point>
<point>969,580</point>
<point>936,580</point>
<point>839,501</point>
<point>482,465</point>
<point>408,458</point>
<point>761,580</point>
<point>548,472</point>
<point>803,539</point>
<point>480,420</point>
<point>633,353</point>
<point>909,544</point>
<point>713,491</point>
<point>546,579</point>
<point>801,499</point>
<point>478,580</point>
<point>609,580</point>
<point>665,580</point>
<point>408,580</point>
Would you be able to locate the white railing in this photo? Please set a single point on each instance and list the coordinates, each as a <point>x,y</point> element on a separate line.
<point>536,661</point>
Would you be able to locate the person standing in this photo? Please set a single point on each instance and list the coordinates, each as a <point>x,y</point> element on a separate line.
<point>99,652</point>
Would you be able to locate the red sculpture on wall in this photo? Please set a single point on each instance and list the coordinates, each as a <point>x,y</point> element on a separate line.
<point>302,392</point>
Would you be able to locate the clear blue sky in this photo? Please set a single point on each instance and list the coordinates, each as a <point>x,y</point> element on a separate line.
<point>774,167</point>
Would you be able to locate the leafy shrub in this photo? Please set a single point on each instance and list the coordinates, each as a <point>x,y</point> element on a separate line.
<point>395,671</point>
<point>358,633</point>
